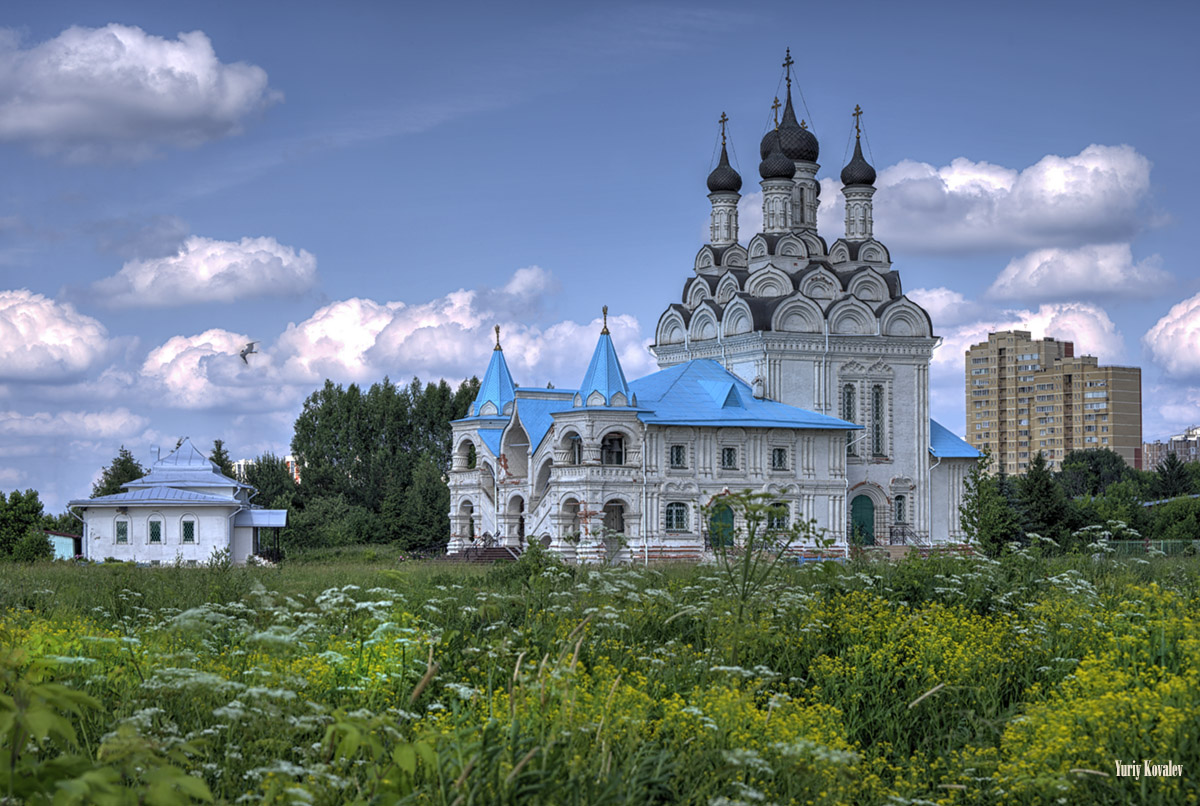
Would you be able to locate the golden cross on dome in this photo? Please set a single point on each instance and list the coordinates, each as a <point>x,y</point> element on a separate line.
<point>724,119</point>
<point>803,124</point>
<point>857,116</point>
<point>775,108</point>
<point>787,65</point>
<point>497,347</point>
<point>605,331</point>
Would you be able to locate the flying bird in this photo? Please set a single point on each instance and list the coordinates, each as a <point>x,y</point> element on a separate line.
<point>248,350</point>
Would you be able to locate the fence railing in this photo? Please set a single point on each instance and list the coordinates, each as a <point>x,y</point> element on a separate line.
<point>1139,548</point>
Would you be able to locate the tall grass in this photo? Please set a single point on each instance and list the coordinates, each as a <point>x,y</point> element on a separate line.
<point>946,680</point>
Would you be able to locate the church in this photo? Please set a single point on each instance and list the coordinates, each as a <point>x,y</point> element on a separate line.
<point>788,367</point>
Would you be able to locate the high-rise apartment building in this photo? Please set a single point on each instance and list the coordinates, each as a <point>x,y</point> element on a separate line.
<point>1025,395</point>
<point>1185,446</point>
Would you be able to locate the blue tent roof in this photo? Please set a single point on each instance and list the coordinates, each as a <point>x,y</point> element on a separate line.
<point>604,374</point>
<point>945,445</point>
<point>497,386</point>
<point>702,392</point>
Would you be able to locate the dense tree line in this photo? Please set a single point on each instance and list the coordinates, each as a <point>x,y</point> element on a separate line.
<point>23,527</point>
<point>1093,487</point>
<point>373,465</point>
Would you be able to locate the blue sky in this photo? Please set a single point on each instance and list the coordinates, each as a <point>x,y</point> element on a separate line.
<point>365,189</point>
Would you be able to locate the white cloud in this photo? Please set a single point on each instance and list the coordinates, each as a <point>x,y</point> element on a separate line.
<point>205,270</point>
<point>114,423</point>
<point>1085,324</point>
<point>750,217</point>
<point>118,92</point>
<point>43,340</point>
<point>9,475</point>
<point>1096,195</point>
<point>1174,341</point>
<point>1095,270</point>
<point>945,307</point>
<point>361,340</point>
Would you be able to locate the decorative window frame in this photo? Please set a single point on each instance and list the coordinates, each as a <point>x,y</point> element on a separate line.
<point>675,517</point>
<point>786,464</point>
<point>184,520</point>
<point>726,451</point>
<point>151,520</point>
<point>683,452</point>
<point>119,521</point>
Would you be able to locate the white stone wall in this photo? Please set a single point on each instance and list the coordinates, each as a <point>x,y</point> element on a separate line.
<point>213,526</point>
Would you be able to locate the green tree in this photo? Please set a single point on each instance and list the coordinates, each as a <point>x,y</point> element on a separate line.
<point>62,522</point>
<point>220,457</point>
<point>124,468</point>
<point>1091,472</point>
<point>270,476</point>
<point>1171,479</point>
<point>33,547</point>
<point>1043,504</point>
<point>424,515</point>
<point>987,517</point>
<point>19,514</point>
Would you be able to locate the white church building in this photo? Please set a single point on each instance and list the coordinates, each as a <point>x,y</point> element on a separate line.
<point>182,511</point>
<point>788,367</point>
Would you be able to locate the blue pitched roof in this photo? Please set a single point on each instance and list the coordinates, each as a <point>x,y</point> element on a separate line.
<point>537,415</point>
<point>184,467</point>
<point>497,386</point>
<point>944,444</point>
<point>155,495</point>
<point>604,373</point>
<point>491,438</point>
<point>702,392</point>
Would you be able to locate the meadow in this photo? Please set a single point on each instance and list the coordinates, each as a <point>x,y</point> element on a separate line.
<point>357,679</point>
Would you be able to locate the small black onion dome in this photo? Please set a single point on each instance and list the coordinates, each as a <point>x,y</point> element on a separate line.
<point>858,171</point>
<point>797,142</point>
<point>776,165</point>
<point>723,178</point>
<point>768,144</point>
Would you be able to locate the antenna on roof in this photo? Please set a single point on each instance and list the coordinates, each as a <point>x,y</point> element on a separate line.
<point>157,452</point>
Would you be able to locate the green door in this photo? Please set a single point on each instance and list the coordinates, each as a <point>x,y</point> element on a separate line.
<point>720,526</point>
<point>862,521</point>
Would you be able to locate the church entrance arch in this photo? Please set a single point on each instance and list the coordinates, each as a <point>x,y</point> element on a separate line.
<point>862,520</point>
<point>614,517</point>
<point>720,526</point>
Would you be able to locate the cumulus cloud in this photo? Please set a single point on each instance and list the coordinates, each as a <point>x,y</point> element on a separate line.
<point>945,307</point>
<point>114,423</point>
<point>1095,270</point>
<point>205,270</point>
<point>1174,341</point>
<point>46,341</point>
<point>118,92</point>
<point>361,340</point>
<point>1095,195</point>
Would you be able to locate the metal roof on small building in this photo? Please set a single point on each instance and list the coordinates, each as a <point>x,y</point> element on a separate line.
<point>944,444</point>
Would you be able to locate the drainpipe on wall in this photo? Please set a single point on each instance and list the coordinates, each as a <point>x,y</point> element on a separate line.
<point>645,518</point>
<point>929,512</point>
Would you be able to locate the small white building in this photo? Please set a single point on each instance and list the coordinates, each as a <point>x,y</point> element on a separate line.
<point>183,510</point>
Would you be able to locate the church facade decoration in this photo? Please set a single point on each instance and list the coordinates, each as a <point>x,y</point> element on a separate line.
<point>788,367</point>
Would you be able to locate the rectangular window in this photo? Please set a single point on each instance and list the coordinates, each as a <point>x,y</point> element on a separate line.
<point>777,515</point>
<point>678,457</point>
<point>122,531</point>
<point>676,517</point>
<point>981,371</point>
<point>155,531</point>
<point>779,459</point>
<point>188,532</point>
<point>729,458</point>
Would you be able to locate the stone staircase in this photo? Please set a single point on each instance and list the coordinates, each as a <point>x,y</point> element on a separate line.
<point>485,556</point>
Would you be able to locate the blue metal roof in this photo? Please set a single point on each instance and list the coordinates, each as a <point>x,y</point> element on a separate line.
<point>604,373</point>
<point>702,392</point>
<point>944,444</point>
<point>497,386</point>
<point>491,438</point>
<point>184,467</point>
<point>144,496</point>
<point>537,415</point>
<point>261,517</point>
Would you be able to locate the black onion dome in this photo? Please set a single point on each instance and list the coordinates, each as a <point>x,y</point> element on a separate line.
<point>724,178</point>
<point>797,142</point>
<point>858,171</point>
<point>768,143</point>
<point>775,165</point>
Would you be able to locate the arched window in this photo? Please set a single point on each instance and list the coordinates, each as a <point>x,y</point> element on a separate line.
<point>848,414</point>
<point>575,448</point>
<point>471,458</point>
<point>901,514</point>
<point>121,531</point>
<point>877,446</point>
<point>187,530</point>
<point>676,517</point>
<point>612,450</point>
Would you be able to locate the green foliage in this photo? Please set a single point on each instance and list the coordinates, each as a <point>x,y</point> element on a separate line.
<point>1043,504</point>
<point>1171,479</point>
<point>1091,472</point>
<point>383,452</point>
<point>1176,520</point>
<point>220,457</point>
<point>987,516</point>
<point>33,547</point>
<point>63,522</point>
<point>329,521</point>
<point>124,468</point>
<point>269,475</point>
<point>19,514</point>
